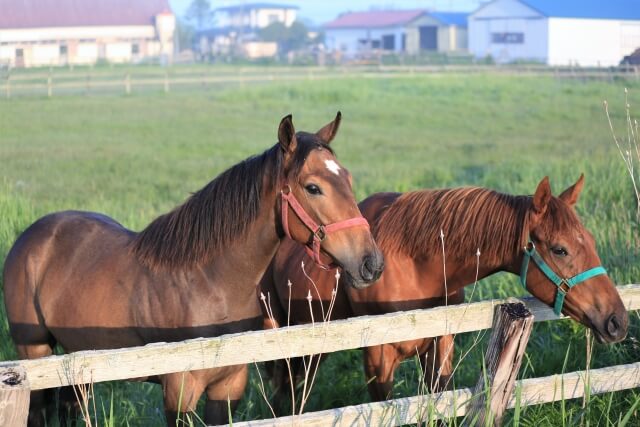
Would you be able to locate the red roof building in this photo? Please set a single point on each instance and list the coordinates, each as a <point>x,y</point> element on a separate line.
<point>375,19</point>
<point>360,34</point>
<point>59,32</point>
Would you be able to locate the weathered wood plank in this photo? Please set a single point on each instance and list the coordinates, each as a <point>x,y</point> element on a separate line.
<point>411,410</point>
<point>512,324</point>
<point>14,397</point>
<point>258,346</point>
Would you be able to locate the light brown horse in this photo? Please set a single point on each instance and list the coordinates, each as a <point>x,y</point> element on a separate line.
<point>484,232</point>
<point>83,281</point>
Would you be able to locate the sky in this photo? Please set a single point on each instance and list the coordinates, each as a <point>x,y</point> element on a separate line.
<point>320,11</point>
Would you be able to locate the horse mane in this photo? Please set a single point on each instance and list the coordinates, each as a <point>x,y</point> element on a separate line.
<point>216,215</point>
<point>470,218</point>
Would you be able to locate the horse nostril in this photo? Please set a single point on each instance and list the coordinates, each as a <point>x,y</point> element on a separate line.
<point>613,326</point>
<point>371,269</point>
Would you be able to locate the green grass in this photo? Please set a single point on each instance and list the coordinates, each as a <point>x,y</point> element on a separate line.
<point>138,156</point>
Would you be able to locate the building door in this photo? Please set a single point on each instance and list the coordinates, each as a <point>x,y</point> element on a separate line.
<point>428,37</point>
<point>20,58</point>
<point>64,54</point>
<point>389,42</point>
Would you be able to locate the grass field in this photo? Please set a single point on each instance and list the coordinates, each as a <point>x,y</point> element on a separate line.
<point>134,157</point>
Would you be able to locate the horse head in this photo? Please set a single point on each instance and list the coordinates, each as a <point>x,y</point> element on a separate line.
<point>318,208</point>
<point>561,266</point>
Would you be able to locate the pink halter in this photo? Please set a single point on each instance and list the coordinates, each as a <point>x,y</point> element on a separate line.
<point>319,231</point>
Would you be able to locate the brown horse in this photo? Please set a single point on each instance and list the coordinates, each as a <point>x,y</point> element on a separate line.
<point>483,232</point>
<point>83,281</point>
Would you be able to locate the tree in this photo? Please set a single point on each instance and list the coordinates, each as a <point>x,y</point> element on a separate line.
<point>185,35</point>
<point>199,13</point>
<point>288,38</point>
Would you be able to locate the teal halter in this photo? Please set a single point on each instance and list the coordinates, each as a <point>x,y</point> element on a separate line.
<point>564,285</point>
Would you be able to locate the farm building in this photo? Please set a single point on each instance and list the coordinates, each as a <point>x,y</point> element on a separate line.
<point>568,32</point>
<point>438,31</point>
<point>60,32</point>
<point>236,28</point>
<point>411,31</point>
<point>254,15</point>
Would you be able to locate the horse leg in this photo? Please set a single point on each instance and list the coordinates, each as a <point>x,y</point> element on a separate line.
<point>224,395</point>
<point>68,406</point>
<point>437,363</point>
<point>284,378</point>
<point>42,403</point>
<point>181,394</point>
<point>380,363</point>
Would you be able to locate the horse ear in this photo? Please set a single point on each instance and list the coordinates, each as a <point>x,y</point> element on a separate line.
<point>329,131</point>
<point>541,199</point>
<point>287,135</point>
<point>570,195</point>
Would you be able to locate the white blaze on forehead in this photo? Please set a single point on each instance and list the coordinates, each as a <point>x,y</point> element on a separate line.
<point>332,166</point>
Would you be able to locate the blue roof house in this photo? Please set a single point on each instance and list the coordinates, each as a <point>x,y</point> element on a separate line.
<point>556,32</point>
<point>236,27</point>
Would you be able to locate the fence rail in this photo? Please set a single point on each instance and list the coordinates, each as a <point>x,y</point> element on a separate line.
<point>412,410</point>
<point>258,346</point>
<point>131,79</point>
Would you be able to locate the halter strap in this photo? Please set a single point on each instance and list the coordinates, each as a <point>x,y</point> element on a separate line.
<point>318,231</point>
<point>563,284</point>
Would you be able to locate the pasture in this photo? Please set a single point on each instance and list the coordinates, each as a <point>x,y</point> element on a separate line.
<point>134,157</point>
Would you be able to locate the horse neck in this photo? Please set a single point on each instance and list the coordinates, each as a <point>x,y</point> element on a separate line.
<point>246,260</point>
<point>465,269</point>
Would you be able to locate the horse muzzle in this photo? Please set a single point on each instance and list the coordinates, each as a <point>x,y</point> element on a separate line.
<point>613,329</point>
<point>368,272</point>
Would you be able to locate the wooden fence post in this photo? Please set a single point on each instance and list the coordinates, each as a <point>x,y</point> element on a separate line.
<point>127,84</point>
<point>49,86</point>
<point>14,397</point>
<point>204,80</point>
<point>87,83</point>
<point>512,324</point>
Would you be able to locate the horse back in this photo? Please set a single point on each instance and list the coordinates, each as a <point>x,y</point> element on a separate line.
<point>374,205</point>
<point>40,268</point>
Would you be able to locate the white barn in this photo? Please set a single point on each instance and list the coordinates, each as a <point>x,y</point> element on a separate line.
<point>554,32</point>
<point>60,32</point>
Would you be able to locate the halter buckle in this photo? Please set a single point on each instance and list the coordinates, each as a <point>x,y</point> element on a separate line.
<point>563,286</point>
<point>286,190</point>
<point>320,234</point>
<point>529,247</point>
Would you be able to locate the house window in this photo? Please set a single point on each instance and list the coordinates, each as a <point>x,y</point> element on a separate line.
<point>19,53</point>
<point>428,37</point>
<point>507,38</point>
<point>272,17</point>
<point>375,44</point>
<point>135,49</point>
<point>389,42</point>
<point>63,50</point>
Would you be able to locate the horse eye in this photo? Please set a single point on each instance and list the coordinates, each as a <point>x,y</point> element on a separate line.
<point>559,251</point>
<point>313,189</point>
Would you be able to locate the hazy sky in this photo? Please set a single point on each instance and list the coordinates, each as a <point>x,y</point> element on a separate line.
<point>320,11</point>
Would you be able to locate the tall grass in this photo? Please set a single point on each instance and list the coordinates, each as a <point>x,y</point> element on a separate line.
<point>136,157</point>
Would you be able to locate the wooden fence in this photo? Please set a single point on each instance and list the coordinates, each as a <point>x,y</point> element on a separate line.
<point>61,81</point>
<point>257,346</point>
